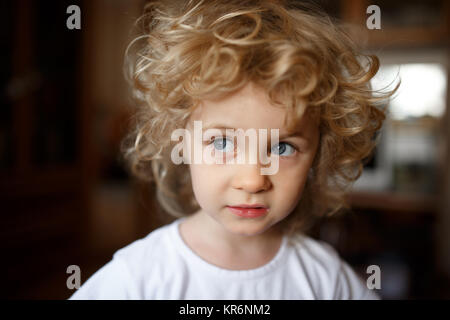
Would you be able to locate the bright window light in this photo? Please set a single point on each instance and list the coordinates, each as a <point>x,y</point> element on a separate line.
<point>422,90</point>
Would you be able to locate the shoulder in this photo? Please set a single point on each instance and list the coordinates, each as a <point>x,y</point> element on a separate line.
<point>120,278</point>
<point>320,260</point>
<point>333,278</point>
<point>145,253</point>
<point>316,252</point>
<point>141,248</point>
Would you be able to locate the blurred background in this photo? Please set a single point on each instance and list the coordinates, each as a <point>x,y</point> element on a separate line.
<point>64,108</point>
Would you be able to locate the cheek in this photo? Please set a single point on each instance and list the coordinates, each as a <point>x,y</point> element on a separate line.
<point>198,179</point>
<point>205,182</point>
<point>291,180</point>
<point>291,188</point>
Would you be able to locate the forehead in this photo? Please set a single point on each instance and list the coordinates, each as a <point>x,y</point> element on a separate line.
<point>250,107</point>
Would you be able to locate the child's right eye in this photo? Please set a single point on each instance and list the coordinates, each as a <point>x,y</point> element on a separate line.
<point>223,144</point>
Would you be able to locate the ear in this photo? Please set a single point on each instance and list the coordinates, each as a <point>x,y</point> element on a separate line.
<point>310,173</point>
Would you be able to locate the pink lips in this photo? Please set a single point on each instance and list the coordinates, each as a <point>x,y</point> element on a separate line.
<point>249,211</point>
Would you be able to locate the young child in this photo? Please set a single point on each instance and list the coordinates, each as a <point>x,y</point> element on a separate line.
<point>240,234</point>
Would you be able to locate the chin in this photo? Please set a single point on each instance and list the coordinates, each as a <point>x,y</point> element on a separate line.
<point>247,228</point>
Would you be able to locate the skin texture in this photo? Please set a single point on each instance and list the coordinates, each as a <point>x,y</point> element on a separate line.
<point>214,233</point>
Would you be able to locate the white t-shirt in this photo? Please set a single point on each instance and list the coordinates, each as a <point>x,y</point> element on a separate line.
<point>162,266</point>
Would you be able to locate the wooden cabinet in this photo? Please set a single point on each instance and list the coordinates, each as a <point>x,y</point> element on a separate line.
<point>413,24</point>
<point>44,188</point>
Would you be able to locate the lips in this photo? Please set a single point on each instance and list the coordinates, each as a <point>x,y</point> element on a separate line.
<point>256,205</point>
<point>249,211</point>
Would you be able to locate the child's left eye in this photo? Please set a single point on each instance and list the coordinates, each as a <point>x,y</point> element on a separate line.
<point>283,149</point>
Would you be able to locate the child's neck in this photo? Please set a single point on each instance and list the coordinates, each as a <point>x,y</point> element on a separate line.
<point>212,242</point>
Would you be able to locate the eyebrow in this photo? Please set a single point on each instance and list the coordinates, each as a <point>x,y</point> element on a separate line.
<point>296,134</point>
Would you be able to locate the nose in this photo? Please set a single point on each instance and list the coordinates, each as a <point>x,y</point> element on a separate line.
<point>249,178</point>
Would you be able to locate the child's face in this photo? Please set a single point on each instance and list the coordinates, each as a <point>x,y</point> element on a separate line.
<point>218,186</point>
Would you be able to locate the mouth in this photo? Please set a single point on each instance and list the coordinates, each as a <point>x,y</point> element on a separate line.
<point>249,211</point>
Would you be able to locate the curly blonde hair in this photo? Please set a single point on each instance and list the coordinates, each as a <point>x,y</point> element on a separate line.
<point>197,49</point>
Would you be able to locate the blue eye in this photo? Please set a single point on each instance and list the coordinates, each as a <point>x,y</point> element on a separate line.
<point>283,149</point>
<point>223,144</point>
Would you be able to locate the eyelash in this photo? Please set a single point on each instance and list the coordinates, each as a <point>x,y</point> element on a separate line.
<point>213,139</point>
